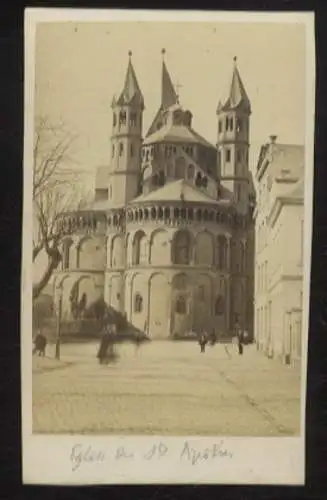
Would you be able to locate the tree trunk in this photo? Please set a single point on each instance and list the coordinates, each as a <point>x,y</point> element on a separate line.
<point>54,259</point>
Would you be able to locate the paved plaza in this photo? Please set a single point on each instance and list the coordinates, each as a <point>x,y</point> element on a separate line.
<point>166,388</point>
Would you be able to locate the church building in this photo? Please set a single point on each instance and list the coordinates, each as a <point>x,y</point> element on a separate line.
<point>169,239</point>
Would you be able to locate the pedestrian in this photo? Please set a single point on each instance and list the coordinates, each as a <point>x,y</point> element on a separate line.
<point>40,344</point>
<point>104,344</point>
<point>203,341</point>
<point>213,338</point>
<point>240,341</point>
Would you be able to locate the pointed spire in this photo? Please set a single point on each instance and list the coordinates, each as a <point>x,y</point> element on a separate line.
<point>131,92</point>
<point>237,94</point>
<point>168,93</point>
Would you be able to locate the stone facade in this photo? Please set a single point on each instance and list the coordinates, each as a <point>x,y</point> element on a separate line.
<point>279,219</point>
<point>169,239</point>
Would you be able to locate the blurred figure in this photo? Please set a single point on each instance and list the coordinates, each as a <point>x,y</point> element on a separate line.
<point>203,341</point>
<point>240,341</point>
<point>213,338</point>
<point>40,344</point>
<point>104,344</point>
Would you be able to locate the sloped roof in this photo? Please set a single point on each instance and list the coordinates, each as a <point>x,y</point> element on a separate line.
<point>131,93</point>
<point>168,94</point>
<point>177,133</point>
<point>178,191</point>
<point>168,99</point>
<point>237,94</point>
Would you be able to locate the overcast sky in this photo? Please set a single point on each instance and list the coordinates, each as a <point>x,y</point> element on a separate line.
<point>80,66</point>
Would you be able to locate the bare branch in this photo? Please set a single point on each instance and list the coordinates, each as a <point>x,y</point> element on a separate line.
<point>53,196</point>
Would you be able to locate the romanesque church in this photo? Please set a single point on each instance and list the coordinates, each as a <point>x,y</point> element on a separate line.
<point>168,240</point>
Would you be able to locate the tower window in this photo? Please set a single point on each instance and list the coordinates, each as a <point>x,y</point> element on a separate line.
<point>122,118</point>
<point>132,119</point>
<point>239,155</point>
<point>239,125</point>
<point>138,303</point>
<point>113,151</point>
<point>227,123</point>
<point>114,119</point>
<point>121,148</point>
<point>231,123</point>
<point>228,155</point>
<point>132,150</point>
<point>181,305</point>
<point>220,127</point>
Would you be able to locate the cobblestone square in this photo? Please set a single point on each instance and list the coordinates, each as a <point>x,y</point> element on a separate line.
<point>166,388</point>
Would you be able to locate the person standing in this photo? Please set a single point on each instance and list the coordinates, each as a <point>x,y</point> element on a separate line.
<point>240,341</point>
<point>203,341</point>
<point>104,344</point>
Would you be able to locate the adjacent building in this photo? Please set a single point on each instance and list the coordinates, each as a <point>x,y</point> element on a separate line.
<point>279,216</point>
<point>169,238</point>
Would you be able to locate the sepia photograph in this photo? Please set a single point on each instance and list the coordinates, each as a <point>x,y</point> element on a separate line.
<point>167,228</point>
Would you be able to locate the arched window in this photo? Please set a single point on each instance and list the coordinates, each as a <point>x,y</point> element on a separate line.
<point>161,178</point>
<point>219,305</point>
<point>132,119</point>
<point>180,305</point>
<point>153,213</point>
<point>139,249</point>
<point>132,150</point>
<point>122,118</point>
<point>66,253</point>
<point>220,127</point>
<point>190,213</point>
<point>121,148</point>
<point>160,213</point>
<point>113,151</point>
<point>138,303</point>
<point>181,248</point>
<point>167,213</point>
<point>198,180</point>
<point>221,252</point>
<point>114,119</point>
<point>176,213</point>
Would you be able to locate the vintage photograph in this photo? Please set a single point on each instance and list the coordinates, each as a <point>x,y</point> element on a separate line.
<point>170,228</point>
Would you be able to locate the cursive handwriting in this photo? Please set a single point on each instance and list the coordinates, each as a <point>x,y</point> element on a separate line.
<point>122,453</point>
<point>156,451</point>
<point>194,455</point>
<point>85,454</point>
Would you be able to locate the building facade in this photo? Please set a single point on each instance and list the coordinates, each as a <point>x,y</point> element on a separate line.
<point>279,216</point>
<point>169,238</point>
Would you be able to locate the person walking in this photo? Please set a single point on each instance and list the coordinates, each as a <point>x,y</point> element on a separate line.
<point>40,344</point>
<point>240,341</point>
<point>104,344</point>
<point>203,341</point>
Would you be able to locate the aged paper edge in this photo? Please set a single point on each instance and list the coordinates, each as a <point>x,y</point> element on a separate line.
<point>46,459</point>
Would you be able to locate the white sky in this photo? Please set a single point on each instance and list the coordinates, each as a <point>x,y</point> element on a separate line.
<point>80,66</point>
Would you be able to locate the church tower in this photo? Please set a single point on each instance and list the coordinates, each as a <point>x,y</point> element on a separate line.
<point>233,142</point>
<point>126,140</point>
<point>168,97</point>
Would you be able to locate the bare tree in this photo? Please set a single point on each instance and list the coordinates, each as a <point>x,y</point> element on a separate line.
<point>57,189</point>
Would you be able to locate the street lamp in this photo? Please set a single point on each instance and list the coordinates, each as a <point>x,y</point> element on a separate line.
<point>59,313</point>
